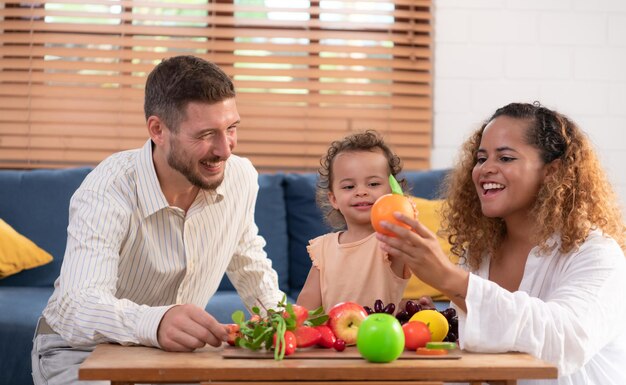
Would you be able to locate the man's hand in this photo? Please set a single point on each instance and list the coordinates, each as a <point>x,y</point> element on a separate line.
<point>185,328</point>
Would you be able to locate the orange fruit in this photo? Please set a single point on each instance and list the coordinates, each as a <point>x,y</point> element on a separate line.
<point>383,210</point>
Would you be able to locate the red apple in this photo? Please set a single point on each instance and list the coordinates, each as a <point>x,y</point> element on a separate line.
<point>344,320</point>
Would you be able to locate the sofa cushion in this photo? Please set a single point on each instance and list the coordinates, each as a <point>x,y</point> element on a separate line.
<point>223,304</point>
<point>21,308</point>
<point>429,215</point>
<point>270,217</point>
<point>425,184</point>
<point>18,253</point>
<point>36,204</point>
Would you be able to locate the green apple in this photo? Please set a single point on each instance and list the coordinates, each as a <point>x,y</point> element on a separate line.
<point>380,338</point>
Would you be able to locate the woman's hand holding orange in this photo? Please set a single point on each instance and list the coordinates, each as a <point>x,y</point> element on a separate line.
<point>419,249</point>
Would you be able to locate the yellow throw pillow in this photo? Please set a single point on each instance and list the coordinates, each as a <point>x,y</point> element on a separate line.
<point>428,215</point>
<point>18,252</point>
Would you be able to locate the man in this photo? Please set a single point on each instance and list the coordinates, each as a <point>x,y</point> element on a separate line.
<point>153,230</point>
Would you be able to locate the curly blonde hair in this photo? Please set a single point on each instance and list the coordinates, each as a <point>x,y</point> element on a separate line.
<point>369,140</point>
<point>574,200</point>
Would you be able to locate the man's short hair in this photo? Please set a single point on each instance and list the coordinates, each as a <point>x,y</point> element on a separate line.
<point>178,80</point>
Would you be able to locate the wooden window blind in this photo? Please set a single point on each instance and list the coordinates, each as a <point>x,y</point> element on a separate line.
<point>72,74</point>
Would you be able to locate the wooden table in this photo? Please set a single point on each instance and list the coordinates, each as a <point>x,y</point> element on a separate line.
<point>128,365</point>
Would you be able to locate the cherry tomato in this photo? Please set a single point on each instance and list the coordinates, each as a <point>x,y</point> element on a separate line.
<point>339,345</point>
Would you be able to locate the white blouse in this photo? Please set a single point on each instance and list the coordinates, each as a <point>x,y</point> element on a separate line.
<point>570,310</point>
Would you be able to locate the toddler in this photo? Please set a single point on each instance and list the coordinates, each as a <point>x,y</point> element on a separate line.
<point>349,265</point>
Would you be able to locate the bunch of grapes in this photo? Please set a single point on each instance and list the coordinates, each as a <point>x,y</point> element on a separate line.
<point>410,308</point>
<point>380,307</point>
<point>453,321</point>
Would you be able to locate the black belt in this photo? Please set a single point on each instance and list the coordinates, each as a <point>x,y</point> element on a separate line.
<point>44,328</point>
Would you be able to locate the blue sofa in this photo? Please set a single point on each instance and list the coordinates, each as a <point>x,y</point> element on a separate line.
<point>35,203</point>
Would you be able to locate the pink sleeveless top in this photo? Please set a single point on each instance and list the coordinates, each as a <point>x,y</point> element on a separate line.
<point>358,272</point>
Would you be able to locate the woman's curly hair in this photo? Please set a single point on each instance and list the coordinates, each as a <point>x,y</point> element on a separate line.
<point>574,200</point>
<point>369,140</point>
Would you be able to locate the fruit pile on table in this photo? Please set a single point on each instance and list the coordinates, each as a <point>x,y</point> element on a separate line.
<point>379,335</point>
<point>427,314</point>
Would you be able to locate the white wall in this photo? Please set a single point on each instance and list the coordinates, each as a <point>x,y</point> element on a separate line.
<point>568,54</point>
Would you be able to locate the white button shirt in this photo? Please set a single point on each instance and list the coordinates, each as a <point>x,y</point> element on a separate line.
<point>570,310</point>
<point>130,256</point>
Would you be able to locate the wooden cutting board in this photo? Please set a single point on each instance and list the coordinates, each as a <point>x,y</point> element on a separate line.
<point>351,352</point>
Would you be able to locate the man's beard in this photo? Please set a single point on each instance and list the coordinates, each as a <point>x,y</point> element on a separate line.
<point>176,160</point>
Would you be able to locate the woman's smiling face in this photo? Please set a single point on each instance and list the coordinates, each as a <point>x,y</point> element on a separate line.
<point>508,172</point>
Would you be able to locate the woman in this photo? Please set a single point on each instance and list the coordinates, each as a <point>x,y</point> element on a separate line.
<point>540,231</point>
